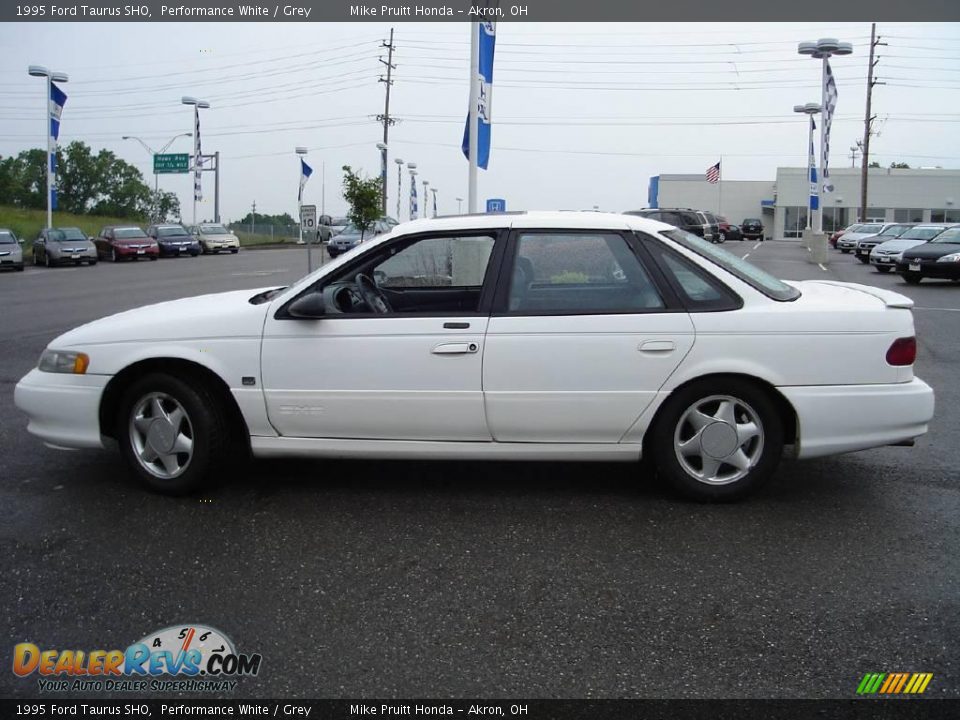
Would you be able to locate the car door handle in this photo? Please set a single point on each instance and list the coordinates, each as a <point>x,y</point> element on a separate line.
<point>657,346</point>
<point>460,348</point>
<point>456,325</point>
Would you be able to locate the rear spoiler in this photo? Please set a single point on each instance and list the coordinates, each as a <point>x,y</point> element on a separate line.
<point>890,299</point>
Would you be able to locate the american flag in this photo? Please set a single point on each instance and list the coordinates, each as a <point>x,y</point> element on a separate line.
<point>713,174</point>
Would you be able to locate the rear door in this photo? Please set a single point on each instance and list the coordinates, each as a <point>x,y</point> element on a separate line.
<point>580,340</point>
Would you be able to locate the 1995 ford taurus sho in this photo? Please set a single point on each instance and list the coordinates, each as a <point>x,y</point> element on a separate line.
<point>532,336</point>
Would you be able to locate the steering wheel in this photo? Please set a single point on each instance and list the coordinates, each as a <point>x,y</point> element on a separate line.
<point>372,295</point>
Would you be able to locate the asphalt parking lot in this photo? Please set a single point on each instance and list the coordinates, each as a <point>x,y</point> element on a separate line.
<point>374,579</point>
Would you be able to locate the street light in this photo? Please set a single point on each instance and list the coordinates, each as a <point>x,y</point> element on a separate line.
<point>810,109</point>
<point>199,104</point>
<point>823,49</point>
<point>41,71</point>
<point>459,200</point>
<point>382,147</point>
<point>399,163</point>
<point>156,176</point>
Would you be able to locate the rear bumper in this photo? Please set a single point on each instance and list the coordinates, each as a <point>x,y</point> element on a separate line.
<point>835,419</point>
<point>62,409</point>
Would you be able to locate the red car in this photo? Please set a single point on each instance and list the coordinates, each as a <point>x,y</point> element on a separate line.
<point>836,236</point>
<point>125,242</point>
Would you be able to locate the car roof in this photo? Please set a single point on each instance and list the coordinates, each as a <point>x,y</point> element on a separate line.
<point>574,220</point>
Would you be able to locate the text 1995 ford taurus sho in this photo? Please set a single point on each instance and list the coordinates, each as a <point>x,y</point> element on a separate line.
<point>537,336</point>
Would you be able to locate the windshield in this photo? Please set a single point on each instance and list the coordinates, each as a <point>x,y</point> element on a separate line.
<point>949,236</point>
<point>7,238</point>
<point>853,228</point>
<point>64,234</point>
<point>375,229</point>
<point>340,221</point>
<point>869,229</point>
<point>921,233</point>
<point>175,231</point>
<point>895,231</point>
<point>737,266</point>
<point>214,230</point>
<point>749,221</point>
<point>129,233</point>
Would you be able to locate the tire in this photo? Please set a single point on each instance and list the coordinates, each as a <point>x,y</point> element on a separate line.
<point>91,263</point>
<point>19,268</point>
<point>723,237</point>
<point>864,260</point>
<point>750,407</point>
<point>845,252</point>
<point>235,250</point>
<point>201,431</point>
<point>912,278</point>
<point>113,255</point>
<point>36,261</point>
<point>883,268</point>
<point>46,260</point>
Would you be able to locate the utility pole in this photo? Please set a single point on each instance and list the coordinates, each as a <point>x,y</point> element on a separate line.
<point>253,217</point>
<point>868,122</point>
<point>387,122</point>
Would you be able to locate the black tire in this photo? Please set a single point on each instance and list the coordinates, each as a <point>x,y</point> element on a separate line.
<point>884,268</point>
<point>36,260</point>
<point>207,424</point>
<point>845,252</point>
<point>19,268</point>
<point>864,260</point>
<point>92,263</point>
<point>668,427</point>
<point>47,261</point>
<point>235,250</point>
<point>912,278</point>
<point>113,255</point>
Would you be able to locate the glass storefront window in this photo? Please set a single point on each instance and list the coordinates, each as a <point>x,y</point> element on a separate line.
<point>908,215</point>
<point>794,221</point>
<point>834,219</point>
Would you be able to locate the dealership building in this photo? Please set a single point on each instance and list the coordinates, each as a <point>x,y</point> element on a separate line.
<point>895,195</point>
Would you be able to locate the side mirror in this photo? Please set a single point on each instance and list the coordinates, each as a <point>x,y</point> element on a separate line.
<point>90,239</point>
<point>308,307</point>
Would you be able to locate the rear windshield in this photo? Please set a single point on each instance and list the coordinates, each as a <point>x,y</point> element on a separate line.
<point>921,233</point>
<point>129,233</point>
<point>736,266</point>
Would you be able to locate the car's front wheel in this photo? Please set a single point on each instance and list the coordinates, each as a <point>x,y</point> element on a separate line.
<point>172,433</point>
<point>883,268</point>
<point>912,278</point>
<point>717,440</point>
<point>865,259</point>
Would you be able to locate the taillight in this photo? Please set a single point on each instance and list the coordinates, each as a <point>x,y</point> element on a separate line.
<point>903,351</point>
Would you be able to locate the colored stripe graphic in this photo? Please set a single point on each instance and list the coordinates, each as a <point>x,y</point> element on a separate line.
<point>894,683</point>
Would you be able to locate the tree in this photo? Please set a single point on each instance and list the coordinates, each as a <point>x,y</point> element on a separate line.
<point>900,165</point>
<point>164,206</point>
<point>23,179</point>
<point>364,196</point>
<point>874,163</point>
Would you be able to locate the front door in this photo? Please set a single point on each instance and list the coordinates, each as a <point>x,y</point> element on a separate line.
<point>411,371</point>
<point>582,342</point>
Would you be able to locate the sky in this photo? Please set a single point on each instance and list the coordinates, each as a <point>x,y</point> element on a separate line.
<point>584,114</point>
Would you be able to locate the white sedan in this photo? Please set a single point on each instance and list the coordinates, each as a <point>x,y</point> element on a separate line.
<point>532,336</point>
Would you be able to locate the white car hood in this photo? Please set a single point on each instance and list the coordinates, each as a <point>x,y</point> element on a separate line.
<point>219,315</point>
<point>898,245</point>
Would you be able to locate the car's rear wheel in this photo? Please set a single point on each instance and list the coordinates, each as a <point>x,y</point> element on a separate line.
<point>172,433</point>
<point>718,439</point>
<point>883,268</point>
<point>912,278</point>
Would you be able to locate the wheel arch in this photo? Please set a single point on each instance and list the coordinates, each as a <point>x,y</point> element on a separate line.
<point>786,411</point>
<point>179,368</point>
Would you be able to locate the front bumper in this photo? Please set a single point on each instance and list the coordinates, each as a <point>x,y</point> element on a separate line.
<point>174,250</point>
<point>943,270</point>
<point>887,260</point>
<point>62,409</point>
<point>835,419</point>
<point>126,252</point>
<point>65,258</point>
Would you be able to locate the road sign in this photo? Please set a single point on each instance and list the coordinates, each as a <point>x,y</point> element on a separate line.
<point>171,163</point>
<point>308,218</point>
<point>496,205</point>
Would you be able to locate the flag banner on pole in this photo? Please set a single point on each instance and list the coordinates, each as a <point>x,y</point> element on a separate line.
<point>305,172</point>
<point>413,198</point>
<point>58,99</point>
<point>197,188</point>
<point>828,108</point>
<point>434,204</point>
<point>812,170</point>
<point>713,174</point>
<point>53,198</point>
<point>484,78</point>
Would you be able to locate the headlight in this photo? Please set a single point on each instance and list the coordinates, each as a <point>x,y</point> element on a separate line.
<point>58,361</point>
<point>952,257</point>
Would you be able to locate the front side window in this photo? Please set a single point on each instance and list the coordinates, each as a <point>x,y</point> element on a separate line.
<point>437,263</point>
<point>579,273</point>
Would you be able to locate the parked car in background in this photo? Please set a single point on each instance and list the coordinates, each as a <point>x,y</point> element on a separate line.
<point>869,242</point>
<point>11,254</point>
<point>62,246</point>
<point>730,232</point>
<point>125,242</point>
<point>938,258</point>
<point>752,229</point>
<point>835,237</point>
<point>351,237</point>
<point>174,240</point>
<point>884,257</point>
<point>214,237</point>
<point>337,224</point>
<point>693,221</point>
<point>848,241</point>
<point>467,338</point>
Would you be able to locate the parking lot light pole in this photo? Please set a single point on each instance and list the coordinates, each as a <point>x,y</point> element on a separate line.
<point>200,104</point>
<point>412,167</point>
<point>810,109</point>
<point>40,71</point>
<point>822,50</point>
<point>382,147</point>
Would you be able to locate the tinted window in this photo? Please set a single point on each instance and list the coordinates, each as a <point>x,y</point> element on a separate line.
<point>437,262</point>
<point>736,266</point>
<point>579,273</point>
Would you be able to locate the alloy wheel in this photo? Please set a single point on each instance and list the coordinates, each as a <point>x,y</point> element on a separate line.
<point>161,435</point>
<point>718,439</point>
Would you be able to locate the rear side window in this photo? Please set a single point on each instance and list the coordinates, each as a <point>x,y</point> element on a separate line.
<point>699,291</point>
